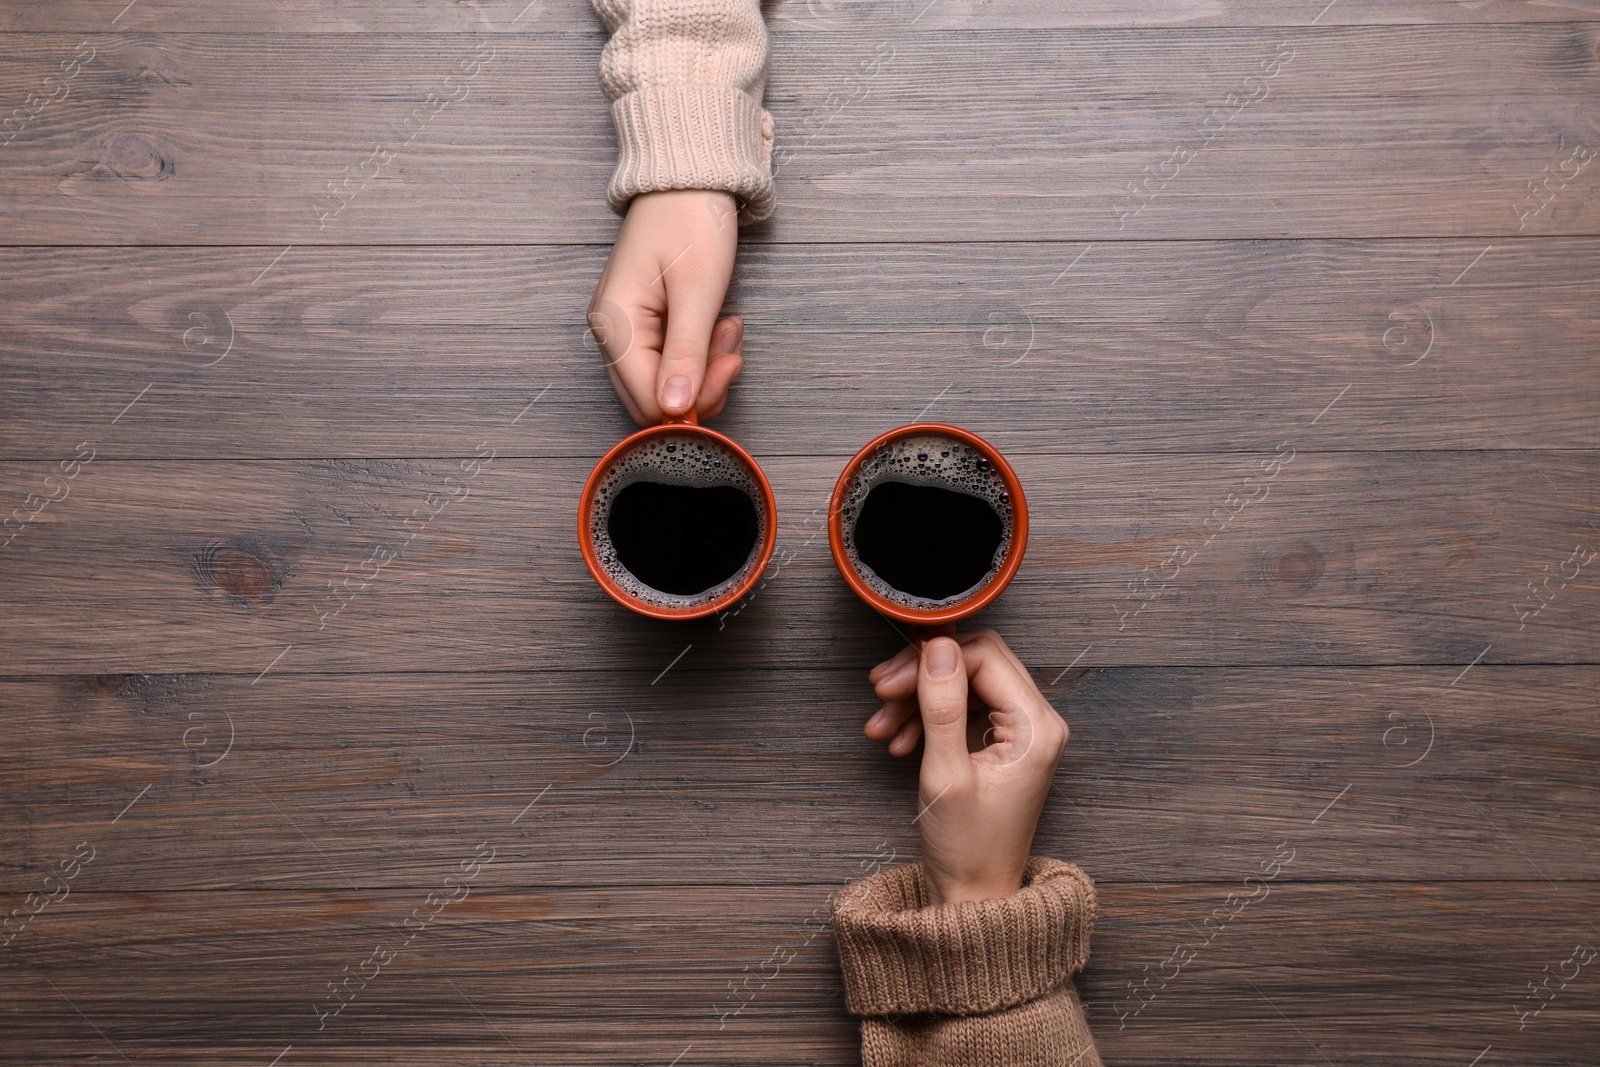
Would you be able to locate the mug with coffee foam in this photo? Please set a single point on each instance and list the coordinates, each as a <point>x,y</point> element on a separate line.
<point>928,524</point>
<point>677,521</point>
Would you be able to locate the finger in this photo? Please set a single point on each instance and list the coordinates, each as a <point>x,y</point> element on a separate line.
<point>628,336</point>
<point>986,648</point>
<point>890,719</point>
<point>619,387</point>
<point>942,698</point>
<point>900,681</point>
<point>609,327</point>
<point>727,336</point>
<point>721,370</point>
<point>723,365</point>
<point>983,731</point>
<point>993,638</point>
<point>896,679</point>
<point>894,664</point>
<point>694,296</point>
<point>634,377</point>
<point>905,742</point>
<point>1004,685</point>
<point>1010,738</point>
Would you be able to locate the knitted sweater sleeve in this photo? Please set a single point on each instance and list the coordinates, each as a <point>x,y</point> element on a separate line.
<point>685,79</point>
<point>985,982</point>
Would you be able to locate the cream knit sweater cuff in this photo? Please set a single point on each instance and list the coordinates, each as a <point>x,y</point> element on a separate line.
<point>693,137</point>
<point>901,956</point>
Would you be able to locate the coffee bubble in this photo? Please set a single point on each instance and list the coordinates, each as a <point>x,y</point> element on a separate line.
<point>931,460</point>
<point>673,459</point>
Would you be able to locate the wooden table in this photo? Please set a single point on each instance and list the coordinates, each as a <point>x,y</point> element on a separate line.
<point>273,270</point>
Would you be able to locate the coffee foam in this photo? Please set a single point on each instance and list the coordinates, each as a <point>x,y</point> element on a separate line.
<point>926,459</point>
<point>673,459</point>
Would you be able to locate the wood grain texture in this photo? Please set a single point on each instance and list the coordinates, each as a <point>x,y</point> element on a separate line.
<point>280,293</point>
<point>503,977</point>
<point>226,139</point>
<point>1345,557</point>
<point>818,16</point>
<point>711,777</point>
<point>1060,348</point>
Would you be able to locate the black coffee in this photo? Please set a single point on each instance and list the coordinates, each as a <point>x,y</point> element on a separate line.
<point>927,541</point>
<point>682,539</point>
<point>926,521</point>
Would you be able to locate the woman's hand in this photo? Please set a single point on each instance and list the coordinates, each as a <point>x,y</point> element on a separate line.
<point>654,313</point>
<point>985,778</point>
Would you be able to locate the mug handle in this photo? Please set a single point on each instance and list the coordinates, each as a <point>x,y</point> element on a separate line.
<point>921,635</point>
<point>690,418</point>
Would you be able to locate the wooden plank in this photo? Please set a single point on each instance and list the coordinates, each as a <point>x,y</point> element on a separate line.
<point>1312,978</point>
<point>1342,557</point>
<point>1381,668</point>
<point>225,139</point>
<point>823,16</point>
<point>854,15</point>
<point>628,975</point>
<point>1139,346</point>
<point>735,779</point>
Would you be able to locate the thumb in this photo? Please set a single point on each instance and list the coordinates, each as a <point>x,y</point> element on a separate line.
<point>692,309</point>
<point>942,697</point>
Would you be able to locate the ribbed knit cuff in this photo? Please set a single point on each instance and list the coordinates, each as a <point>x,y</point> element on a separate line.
<point>900,956</point>
<point>693,137</point>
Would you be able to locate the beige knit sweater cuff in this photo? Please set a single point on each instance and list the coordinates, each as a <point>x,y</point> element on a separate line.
<point>900,956</point>
<point>693,137</point>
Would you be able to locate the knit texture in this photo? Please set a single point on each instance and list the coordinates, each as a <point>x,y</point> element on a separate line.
<point>685,79</point>
<point>976,982</point>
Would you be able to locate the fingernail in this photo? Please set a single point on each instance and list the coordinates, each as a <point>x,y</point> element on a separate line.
<point>876,718</point>
<point>940,657</point>
<point>677,392</point>
<point>738,335</point>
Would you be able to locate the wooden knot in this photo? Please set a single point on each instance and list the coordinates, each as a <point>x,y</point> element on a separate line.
<point>240,574</point>
<point>106,685</point>
<point>1301,567</point>
<point>130,156</point>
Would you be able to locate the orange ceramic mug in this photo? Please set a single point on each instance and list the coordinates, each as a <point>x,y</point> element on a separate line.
<point>665,517</point>
<point>935,542</point>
